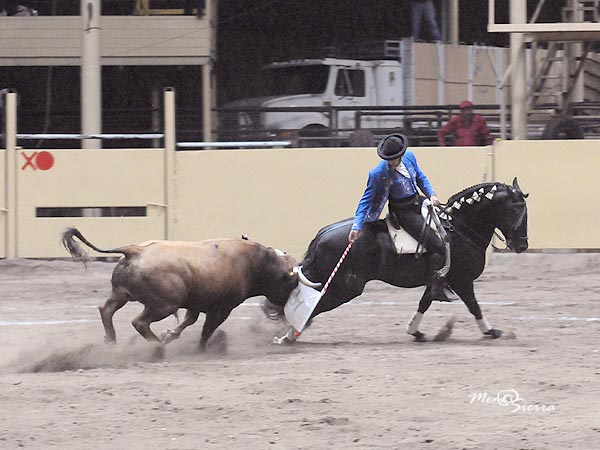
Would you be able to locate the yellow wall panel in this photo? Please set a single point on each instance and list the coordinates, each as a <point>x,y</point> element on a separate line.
<point>561,178</point>
<point>2,205</point>
<point>88,179</point>
<point>283,197</point>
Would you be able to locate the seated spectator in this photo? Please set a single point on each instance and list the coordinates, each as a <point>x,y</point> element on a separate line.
<point>190,5</point>
<point>468,128</point>
<point>362,138</point>
<point>13,8</point>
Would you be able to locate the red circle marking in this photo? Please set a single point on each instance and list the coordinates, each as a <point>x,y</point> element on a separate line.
<point>44,160</point>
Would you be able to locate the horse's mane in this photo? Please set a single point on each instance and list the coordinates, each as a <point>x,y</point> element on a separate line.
<point>469,191</point>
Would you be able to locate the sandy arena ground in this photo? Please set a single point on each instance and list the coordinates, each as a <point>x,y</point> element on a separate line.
<point>354,381</point>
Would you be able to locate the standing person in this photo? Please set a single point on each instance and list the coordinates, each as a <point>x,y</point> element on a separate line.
<point>424,11</point>
<point>396,179</point>
<point>469,129</point>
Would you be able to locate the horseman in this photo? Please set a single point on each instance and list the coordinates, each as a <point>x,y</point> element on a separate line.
<point>396,179</point>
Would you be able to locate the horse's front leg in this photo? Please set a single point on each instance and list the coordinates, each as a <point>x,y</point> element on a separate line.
<point>288,338</point>
<point>415,321</point>
<point>467,294</point>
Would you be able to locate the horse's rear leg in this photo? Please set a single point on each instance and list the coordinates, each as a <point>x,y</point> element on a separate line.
<point>415,321</point>
<point>115,302</point>
<point>170,335</point>
<point>467,294</point>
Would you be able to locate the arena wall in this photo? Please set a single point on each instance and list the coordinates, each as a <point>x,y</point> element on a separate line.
<point>283,197</point>
<point>560,177</point>
<point>71,187</point>
<point>278,197</point>
<point>3,205</point>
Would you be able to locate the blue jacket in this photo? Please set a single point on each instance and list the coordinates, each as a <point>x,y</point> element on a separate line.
<point>385,183</point>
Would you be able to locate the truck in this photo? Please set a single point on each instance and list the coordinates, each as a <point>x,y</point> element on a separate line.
<point>303,96</point>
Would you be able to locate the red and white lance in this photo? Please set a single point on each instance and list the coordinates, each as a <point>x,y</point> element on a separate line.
<point>335,269</point>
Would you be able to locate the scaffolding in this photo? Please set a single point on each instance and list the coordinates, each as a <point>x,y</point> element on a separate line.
<point>557,75</point>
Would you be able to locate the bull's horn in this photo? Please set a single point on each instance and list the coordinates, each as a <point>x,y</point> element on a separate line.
<point>305,281</point>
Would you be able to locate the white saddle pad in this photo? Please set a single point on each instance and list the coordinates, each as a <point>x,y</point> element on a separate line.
<point>404,242</point>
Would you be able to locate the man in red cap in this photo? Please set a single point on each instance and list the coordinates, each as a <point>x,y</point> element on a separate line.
<point>468,128</point>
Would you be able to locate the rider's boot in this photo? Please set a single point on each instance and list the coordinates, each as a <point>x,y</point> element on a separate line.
<point>440,291</point>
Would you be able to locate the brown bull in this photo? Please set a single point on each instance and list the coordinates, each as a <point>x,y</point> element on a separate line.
<point>211,277</point>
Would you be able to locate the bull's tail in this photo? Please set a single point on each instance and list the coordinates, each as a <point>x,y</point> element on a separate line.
<point>77,252</point>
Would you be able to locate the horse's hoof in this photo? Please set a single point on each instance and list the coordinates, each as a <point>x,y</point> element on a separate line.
<point>283,340</point>
<point>493,333</point>
<point>419,337</point>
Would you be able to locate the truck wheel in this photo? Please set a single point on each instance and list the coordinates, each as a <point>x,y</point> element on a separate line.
<point>562,129</point>
<point>312,133</point>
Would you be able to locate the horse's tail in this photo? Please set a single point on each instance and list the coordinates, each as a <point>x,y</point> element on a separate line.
<point>77,252</point>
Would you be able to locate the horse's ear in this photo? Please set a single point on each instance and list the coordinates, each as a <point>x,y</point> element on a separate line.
<point>516,184</point>
<point>518,188</point>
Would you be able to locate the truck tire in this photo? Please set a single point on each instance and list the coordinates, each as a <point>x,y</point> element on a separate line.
<point>562,129</point>
<point>312,132</point>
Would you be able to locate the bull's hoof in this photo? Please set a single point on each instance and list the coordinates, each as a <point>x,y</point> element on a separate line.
<point>419,337</point>
<point>158,353</point>
<point>493,333</point>
<point>109,340</point>
<point>271,311</point>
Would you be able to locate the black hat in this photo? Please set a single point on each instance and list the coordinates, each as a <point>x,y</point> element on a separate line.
<point>392,147</point>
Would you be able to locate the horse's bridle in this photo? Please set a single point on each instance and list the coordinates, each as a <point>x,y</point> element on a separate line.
<point>519,220</point>
<point>516,223</point>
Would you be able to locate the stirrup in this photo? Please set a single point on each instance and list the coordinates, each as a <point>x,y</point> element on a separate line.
<point>441,292</point>
<point>448,296</point>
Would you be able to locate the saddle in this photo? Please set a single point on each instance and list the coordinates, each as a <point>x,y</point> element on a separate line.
<point>404,242</point>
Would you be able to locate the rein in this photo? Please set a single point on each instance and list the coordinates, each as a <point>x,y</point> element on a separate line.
<point>514,225</point>
<point>478,237</point>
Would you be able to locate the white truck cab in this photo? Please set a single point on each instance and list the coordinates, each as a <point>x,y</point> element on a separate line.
<point>322,83</point>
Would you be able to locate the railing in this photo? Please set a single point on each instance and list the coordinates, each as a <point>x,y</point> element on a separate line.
<point>419,123</point>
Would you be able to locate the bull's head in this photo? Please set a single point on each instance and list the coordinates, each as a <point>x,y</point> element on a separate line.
<point>282,280</point>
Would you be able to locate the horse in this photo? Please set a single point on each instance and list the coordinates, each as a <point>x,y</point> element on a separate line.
<point>470,218</point>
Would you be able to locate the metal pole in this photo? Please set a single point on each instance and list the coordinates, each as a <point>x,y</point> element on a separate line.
<point>91,78</point>
<point>209,94</point>
<point>169,161</point>
<point>573,88</point>
<point>453,19</point>
<point>207,101</point>
<point>518,15</point>
<point>10,186</point>
<point>156,99</point>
